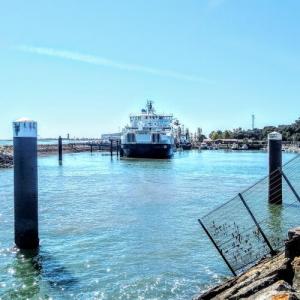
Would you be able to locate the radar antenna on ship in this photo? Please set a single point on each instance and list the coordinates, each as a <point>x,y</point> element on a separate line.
<point>150,108</point>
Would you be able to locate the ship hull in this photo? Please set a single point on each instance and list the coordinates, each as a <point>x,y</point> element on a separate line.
<point>147,150</point>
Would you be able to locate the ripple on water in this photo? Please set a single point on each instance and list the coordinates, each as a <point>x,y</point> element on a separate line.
<point>122,229</point>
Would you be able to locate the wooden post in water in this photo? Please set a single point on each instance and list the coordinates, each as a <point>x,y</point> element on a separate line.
<point>117,148</point>
<point>91,145</point>
<point>25,184</point>
<point>60,150</point>
<point>111,147</point>
<point>275,165</point>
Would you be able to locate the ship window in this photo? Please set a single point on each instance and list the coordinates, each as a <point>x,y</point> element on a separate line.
<point>155,138</point>
<point>130,137</point>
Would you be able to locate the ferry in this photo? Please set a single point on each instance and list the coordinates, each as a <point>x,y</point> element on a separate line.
<point>149,135</point>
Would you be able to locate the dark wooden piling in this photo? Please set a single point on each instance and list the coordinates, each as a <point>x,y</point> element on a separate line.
<point>111,148</point>
<point>275,165</point>
<point>60,150</point>
<point>25,184</point>
<point>117,148</point>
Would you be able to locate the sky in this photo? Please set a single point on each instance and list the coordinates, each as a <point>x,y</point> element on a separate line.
<point>81,67</point>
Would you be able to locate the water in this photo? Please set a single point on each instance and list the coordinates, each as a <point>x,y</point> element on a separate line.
<point>123,229</point>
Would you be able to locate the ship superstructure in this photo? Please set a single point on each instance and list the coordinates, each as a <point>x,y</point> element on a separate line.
<point>149,134</point>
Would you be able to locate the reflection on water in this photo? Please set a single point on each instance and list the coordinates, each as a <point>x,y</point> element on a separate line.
<point>275,224</point>
<point>30,268</point>
<point>124,229</point>
<point>25,276</point>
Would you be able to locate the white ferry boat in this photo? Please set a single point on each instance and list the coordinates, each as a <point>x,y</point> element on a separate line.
<point>149,135</point>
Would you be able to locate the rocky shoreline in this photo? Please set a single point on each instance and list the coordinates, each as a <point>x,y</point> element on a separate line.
<point>274,278</point>
<point>6,158</point>
<point>6,152</point>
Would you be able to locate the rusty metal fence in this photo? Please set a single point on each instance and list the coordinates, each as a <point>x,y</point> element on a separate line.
<point>247,227</point>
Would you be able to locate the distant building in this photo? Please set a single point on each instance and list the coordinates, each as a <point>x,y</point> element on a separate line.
<point>109,136</point>
<point>282,127</point>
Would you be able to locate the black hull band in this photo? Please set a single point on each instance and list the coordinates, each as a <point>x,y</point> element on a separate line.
<point>147,150</point>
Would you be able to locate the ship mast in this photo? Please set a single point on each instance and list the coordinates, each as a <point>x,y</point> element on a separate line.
<point>150,108</point>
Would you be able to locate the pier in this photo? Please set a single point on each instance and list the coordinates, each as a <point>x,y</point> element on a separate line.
<point>112,146</point>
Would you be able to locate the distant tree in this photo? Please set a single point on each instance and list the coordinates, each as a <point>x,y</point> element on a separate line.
<point>268,129</point>
<point>211,134</point>
<point>227,134</point>
<point>195,137</point>
<point>179,132</point>
<point>187,134</point>
<point>199,134</point>
<point>289,133</point>
<point>214,135</point>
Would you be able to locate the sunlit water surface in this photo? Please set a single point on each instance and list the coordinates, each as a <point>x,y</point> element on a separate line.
<point>123,229</point>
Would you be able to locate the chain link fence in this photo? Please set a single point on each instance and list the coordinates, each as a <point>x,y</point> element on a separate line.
<point>247,227</point>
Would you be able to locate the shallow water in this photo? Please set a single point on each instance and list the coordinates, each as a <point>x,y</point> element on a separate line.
<point>123,229</point>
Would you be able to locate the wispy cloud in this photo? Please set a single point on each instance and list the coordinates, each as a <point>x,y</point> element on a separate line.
<point>100,61</point>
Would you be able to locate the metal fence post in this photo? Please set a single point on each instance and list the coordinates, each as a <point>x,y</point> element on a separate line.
<point>219,250</point>
<point>273,252</point>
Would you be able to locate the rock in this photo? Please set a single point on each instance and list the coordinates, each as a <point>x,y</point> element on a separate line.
<point>6,152</point>
<point>296,269</point>
<point>274,278</point>
<point>292,245</point>
<point>258,278</point>
<point>278,290</point>
<point>6,158</point>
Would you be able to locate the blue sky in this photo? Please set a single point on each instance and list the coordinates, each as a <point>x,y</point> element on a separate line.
<point>81,67</point>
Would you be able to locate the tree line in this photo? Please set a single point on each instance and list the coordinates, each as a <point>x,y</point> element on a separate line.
<point>289,133</point>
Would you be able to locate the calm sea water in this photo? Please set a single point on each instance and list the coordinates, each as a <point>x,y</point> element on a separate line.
<point>123,229</point>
